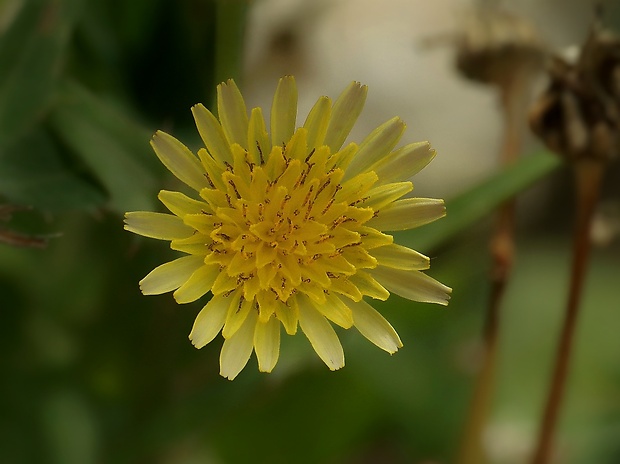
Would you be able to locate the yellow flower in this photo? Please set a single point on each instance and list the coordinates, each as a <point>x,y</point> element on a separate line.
<point>288,226</point>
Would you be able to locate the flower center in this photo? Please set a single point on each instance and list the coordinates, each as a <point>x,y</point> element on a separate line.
<point>288,224</point>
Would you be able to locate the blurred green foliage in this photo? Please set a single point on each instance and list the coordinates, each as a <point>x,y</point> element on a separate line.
<point>94,372</point>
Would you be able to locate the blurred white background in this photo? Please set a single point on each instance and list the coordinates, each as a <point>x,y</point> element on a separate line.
<point>384,44</point>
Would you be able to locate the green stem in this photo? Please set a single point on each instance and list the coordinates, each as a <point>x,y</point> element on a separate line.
<point>588,180</point>
<point>229,39</point>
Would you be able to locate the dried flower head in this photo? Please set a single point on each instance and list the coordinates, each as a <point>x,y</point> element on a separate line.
<point>579,114</point>
<point>287,227</point>
<point>495,45</point>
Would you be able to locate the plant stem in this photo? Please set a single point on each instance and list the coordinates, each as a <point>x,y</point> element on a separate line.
<point>588,175</point>
<point>229,38</point>
<point>513,92</point>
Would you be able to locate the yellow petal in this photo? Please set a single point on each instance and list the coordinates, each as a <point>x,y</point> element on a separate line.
<point>413,285</point>
<point>209,321</point>
<point>170,276</point>
<point>376,146</point>
<point>198,284</point>
<point>236,350</point>
<point>356,188</point>
<point>213,169</point>
<point>404,162</point>
<point>197,244</point>
<point>181,205</point>
<point>369,286</point>
<point>288,315</point>
<point>179,160</point>
<point>284,111</point>
<point>259,145</point>
<point>342,158</point>
<point>237,313</point>
<point>233,113</point>
<point>345,112</point>
<point>212,134</point>
<point>408,214</point>
<point>297,146</point>
<point>317,122</point>
<point>336,311</point>
<point>267,344</point>
<point>157,225</point>
<point>223,283</point>
<point>383,195</point>
<point>321,334</point>
<point>400,257</point>
<point>374,326</point>
<point>372,238</point>
<point>346,288</point>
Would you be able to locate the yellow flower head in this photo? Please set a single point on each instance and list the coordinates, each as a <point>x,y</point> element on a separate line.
<point>288,226</point>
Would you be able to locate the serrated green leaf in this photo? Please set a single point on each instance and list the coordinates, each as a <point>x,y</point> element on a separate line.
<point>476,203</point>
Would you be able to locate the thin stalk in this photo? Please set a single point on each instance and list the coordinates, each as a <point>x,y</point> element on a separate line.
<point>514,93</point>
<point>229,38</point>
<point>588,175</point>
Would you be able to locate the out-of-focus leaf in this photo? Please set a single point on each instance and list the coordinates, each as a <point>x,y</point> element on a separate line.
<point>113,146</point>
<point>230,33</point>
<point>473,205</point>
<point>33,173</point>
<point>71,430</point>
<point>31,52</point>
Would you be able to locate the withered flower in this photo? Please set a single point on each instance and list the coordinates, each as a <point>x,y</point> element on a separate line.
<point>579,114</point>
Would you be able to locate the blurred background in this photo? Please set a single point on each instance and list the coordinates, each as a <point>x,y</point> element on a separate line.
<point>91,371</point>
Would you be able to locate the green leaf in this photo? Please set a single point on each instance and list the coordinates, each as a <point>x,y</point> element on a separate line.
<point>230,34</point>
<point>33,173</point>
<point>473,205</point>
<point>31,54</point>
<point>112,145</point>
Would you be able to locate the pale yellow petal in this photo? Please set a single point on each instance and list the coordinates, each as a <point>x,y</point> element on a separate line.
<point>297,146</point>
<point>321,334</point>
<point>413,285</point>
<point>408,214</point>
<point>372,238</point>
<point>157,225</point>
<point>345,112</point>
<point>317,122</point>
<point>342,158</point>
<point>209,321</point>
<point>335,310</point>
<point>369,286</point>
<point>197,244</point>
<point>212,134</point>
<point>180,204</point>
<point>236,350</point>
<point>356,188</point>
<point>259,145</point>
<point>267,344</point>
<point>179,160</point>
<point>237,313</point>
<point>376,146</point>
<point>288,315</point>
<point>170,276</point>
<point>374,326</point>
<point>198,284</point>
<point>383,195</point>
<point>400,257</point>
<point>284,111</point>
<point>404,163</point>
<point>233,113</point>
